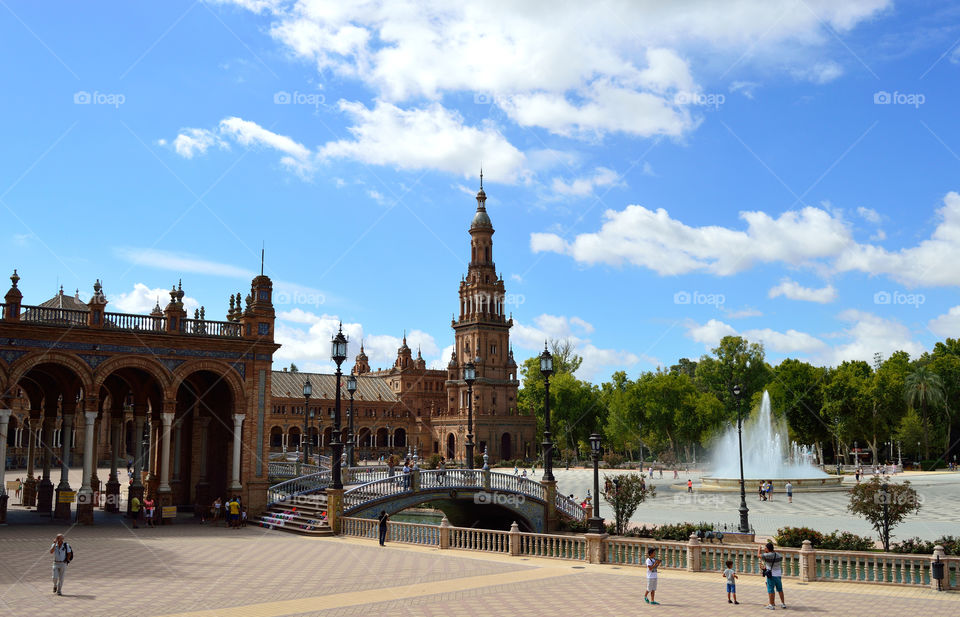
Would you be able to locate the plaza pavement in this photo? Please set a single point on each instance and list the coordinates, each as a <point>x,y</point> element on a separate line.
<point>201,571</point>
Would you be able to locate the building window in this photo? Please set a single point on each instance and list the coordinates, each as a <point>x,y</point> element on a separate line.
<point>263,328</point>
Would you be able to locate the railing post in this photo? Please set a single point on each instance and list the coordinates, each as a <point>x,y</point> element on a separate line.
<point>596,547</point>
<point>444,533</point>
<point>486,479</point>
<point>808,562</point>
<point>334,508</point>
<point>693,553</point>
<point>514,539</point>
<point>550,511</point>
<point>415,480</point>
<point>938,553</point>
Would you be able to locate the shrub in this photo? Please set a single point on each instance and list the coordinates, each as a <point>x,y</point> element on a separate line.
<point>950,544</point>
<point>930,465</point>
<point>793,537</point>
<point>581,526</point>
<point>612,459</point>
<point>433,462</point>
<point>845,541</point>
<point>913,545</point>
<point>680,531</point>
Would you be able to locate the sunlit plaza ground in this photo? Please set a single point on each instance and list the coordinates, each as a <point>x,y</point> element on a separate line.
<point>193,569</point>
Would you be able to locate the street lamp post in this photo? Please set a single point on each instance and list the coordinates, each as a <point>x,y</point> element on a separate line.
<point>469,376</point>
<point>307,392</point>
<point>351,388</point>
<point>856,455</point>
<point>640,433</point>
<point>339,354</point>
<point>744,523</point>
<point>884,495</point>
<point>546,369</point>
<point>596,523</point>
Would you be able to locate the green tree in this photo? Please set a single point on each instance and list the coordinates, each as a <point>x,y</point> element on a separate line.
<point>846,401</point>
<point>735,361</point>
<point>886,394</point>
<point>884,505</point>
<point>625,493</point>
<point>924,388</point>
<point>796,390</point>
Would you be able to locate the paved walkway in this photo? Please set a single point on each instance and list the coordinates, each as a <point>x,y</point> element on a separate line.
<point>197,570</point>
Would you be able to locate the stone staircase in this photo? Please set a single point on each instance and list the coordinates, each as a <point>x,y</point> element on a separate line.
<point>303,518</point>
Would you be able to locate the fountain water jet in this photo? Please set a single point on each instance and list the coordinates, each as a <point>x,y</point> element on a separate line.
<point>766,456</point>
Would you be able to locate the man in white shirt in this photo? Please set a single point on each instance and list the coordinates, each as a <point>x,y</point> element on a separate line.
<point>62,554</point>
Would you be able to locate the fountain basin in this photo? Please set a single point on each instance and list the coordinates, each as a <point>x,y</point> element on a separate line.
<point>800,485</point>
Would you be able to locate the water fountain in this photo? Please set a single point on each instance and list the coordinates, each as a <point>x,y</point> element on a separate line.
<point>767,456</point>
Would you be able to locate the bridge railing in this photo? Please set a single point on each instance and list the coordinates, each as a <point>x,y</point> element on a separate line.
<point>553,546</point>
<point>287,469</point>
<point>570,508</point>
<point>365,474</point>
<point>508,482</point>
<point>472,539</point>
<point>286,491</point>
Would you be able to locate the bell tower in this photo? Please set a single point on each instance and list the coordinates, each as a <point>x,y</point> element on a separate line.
<point>482,331</point>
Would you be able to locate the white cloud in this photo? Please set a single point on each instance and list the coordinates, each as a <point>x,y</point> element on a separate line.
<point>246,133</point>
<point>746,88</point>
<point>596,361</point>
<point>141,300</point>
<point>193,141</point>
<point>864,335</point>
<point>819,73</point>
<point>947,324</point>
<point>816,237</point>
<point>429,138</point>
<point>582,187</point>
<point>869,214</point>
<point>179,262</point>
<point>794,291</point>
<point>647,169</point>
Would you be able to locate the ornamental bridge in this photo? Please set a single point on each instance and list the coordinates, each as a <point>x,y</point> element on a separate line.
<point>467,497</point>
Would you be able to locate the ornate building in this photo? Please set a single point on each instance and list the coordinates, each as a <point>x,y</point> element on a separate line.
<point>197,408</point>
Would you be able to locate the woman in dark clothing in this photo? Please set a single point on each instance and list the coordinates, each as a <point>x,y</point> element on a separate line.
<point>383,526</point>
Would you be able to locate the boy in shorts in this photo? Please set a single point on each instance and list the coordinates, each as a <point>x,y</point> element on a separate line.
<point>652,564</point>
<point>731,575</point>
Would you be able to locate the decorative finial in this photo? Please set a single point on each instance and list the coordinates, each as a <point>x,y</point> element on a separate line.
<point>481,176</point>
<point>14,278</point>
<point>196,313</point>
<point>203,313</point>
<point>263,248</point>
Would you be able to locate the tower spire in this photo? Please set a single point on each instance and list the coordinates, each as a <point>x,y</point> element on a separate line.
<point>481,176</point>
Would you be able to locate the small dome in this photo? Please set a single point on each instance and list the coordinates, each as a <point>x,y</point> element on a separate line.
<point>480,219</point>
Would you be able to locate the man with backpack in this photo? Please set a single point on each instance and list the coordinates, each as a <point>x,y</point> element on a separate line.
<point>62,555</point>
<point>772,569</point>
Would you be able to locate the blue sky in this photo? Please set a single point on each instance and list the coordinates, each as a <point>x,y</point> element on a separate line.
<point>659,175</point>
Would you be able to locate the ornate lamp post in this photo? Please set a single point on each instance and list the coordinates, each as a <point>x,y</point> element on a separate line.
<point>596,522</point>
<point>338,354</point>
<point>351,388</point>
<point>640,434</point>
<point>856,455</point>
<point>744,523</point>
<point>307,392</point>
<point>469,376</point>
<point>546,369</point>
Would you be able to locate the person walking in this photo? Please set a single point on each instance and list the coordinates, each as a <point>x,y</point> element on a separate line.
<point>19,488</point>
<point>383,526</point>
<point>443,470</point>
<point>689,485</point>
<point>652,564</point>
<point>406,475</point>
<point>789,488</point>
<point>148,508</point>
<point>772,569</point>
<point>135,511</point>
<point>62,555</point>
<point>217,503</point>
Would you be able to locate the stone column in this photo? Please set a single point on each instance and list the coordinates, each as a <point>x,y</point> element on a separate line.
<point>445,534</point>
<point>45,486</point>
<point>29,496</point>
<point>938,555</point>
<point>596,548</point>
<point>203,487</point>
<point>85,497</point>
<point>334,508</point>
<point>808,562</point>
<point>4,427</point>
<point>693,553</point>
<point>515,539</point>
<point>94,477</point>
<point>113,482</point>
<point>64,511</point>
<point>164,488</point>
<point>237,427</point>
<point>136,489</point>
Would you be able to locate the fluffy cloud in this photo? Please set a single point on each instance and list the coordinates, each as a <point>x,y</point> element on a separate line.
<point>246,133</point>
<point>595,359</point>
<point>947,324</point>
<point>142,299</point>
<point>808,237</point>
<point>794,291</point>
<point>429,138</point>
<point>863,335</point>
<point>581,187</point>
<point>194,141</point>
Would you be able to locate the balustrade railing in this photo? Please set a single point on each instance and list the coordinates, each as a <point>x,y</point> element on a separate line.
<point>287,469</point>
<point>489,540</point>
<point>290,489</point>
<point>872,567</point>
<point>633,551</point>
<point>203,327</point>
<point>127,321</point>
<point>571,508</point>
<point>53,316</point>
<point>555,547</point>
<point>713,558</point>
<point>500,481</point>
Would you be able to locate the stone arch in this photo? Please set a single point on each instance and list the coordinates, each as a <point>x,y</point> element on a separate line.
<point>146,364</point>
<point>4,377</point>
<point>35,358</point>
<point>224,370</point>
<point>276,437</point>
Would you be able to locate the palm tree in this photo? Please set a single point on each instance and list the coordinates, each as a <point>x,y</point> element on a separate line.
<point>925,387</point>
